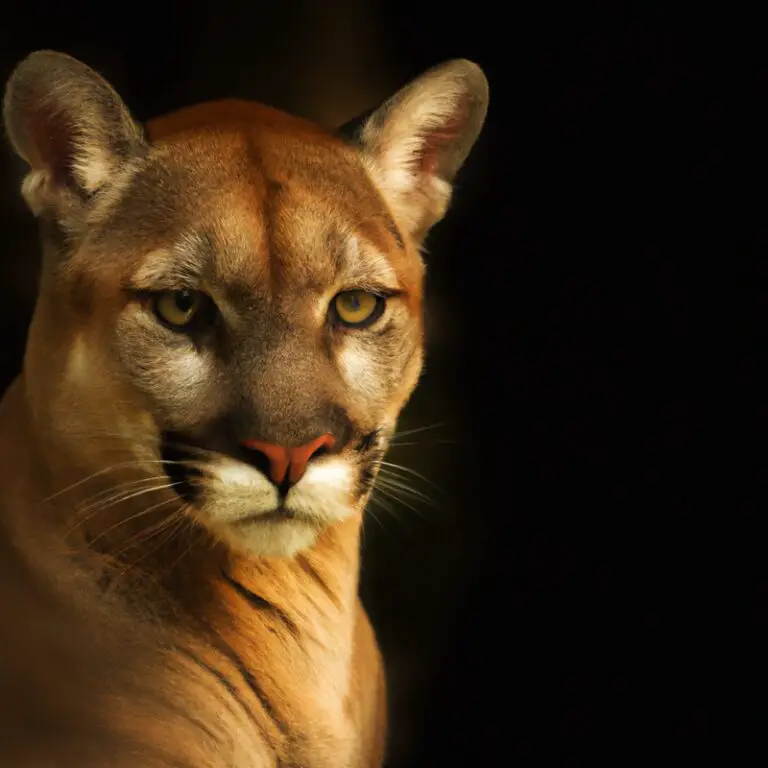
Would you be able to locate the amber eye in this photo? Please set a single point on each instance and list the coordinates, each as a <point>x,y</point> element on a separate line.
<point>178,308</point>
<point>358,308</point>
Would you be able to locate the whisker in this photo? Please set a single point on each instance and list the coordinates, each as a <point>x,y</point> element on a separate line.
<point>193,540</point>
<point>172,526</point>
<point>120,498</point>
<point>117,489</point>
<point>121,465</point>
<point>373,514</point>
<point>392,513</point>
<point>132,518</point>
<point>148,533</point>
<point>398,487</point>
<point>415,431</point>
<point>423,444</point>
<point>413,472</point>
<point>395,497</point>
<point>84,520</point>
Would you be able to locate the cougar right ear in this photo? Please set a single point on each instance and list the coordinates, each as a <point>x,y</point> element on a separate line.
<point>71,128</point>
<point>415,143</point>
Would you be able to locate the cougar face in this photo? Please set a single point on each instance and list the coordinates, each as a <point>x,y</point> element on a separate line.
<point>234,296</point>
<point>276,408</point>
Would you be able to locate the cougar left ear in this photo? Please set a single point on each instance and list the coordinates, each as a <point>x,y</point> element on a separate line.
<point>415,143</point>
<point>71,128</point>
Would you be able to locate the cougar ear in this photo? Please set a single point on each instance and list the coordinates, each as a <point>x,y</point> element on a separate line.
<point>415,143</point>
<point>71,128</point>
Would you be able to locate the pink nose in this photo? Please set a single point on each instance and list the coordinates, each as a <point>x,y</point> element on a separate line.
<point>290,461</point>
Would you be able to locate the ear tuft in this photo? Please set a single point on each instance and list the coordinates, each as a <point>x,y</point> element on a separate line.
<point>71,128</point>
<point>417,141</point>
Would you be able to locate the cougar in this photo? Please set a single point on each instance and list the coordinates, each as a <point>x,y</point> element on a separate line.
<point>229,322</point>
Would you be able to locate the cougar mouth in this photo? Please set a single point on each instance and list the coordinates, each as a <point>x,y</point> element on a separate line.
<point>279,515</point>
<point>228,490</point>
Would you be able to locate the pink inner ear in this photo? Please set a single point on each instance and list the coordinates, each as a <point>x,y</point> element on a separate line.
<point>50,141</point>
<point>439,140</point>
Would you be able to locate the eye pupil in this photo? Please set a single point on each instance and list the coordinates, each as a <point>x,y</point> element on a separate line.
<point>185,300</point>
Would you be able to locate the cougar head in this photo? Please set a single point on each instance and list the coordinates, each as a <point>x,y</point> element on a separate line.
<point>230,293</point>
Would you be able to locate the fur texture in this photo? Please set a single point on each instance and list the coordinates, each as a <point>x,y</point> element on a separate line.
<point>199,613</point>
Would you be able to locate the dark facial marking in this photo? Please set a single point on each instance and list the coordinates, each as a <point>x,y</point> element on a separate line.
<point>173,450</point>
<point>258,602</point>
<point>367,478</point>
<point>394,231</point>
<point>368,441</point>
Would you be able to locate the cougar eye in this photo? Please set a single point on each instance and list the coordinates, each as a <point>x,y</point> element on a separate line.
<point>178,308</point>
<point>357,309</point>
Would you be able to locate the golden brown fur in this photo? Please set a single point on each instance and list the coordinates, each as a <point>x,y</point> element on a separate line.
<point>144,625</point>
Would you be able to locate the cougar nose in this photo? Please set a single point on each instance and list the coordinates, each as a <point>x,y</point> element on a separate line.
<point>286,466</point>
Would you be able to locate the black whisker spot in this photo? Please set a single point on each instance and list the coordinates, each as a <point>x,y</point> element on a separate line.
<point>369,471</point>
<point>179,469</point>
<point>367,478</point>
<point>369,441</point>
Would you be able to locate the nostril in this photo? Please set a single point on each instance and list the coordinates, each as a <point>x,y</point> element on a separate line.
<point>301,456</point>
<point>268,458</point>
<point>319,447</point>
<point>259,460</point>
<point>320,451</point>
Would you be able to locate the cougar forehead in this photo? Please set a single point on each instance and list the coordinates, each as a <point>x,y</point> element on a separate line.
<point>245,197</point>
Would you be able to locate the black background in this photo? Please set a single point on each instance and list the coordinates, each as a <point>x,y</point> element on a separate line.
<point>569,598</point>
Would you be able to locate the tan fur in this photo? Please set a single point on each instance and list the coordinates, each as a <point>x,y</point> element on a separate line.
<point>196,631</point>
